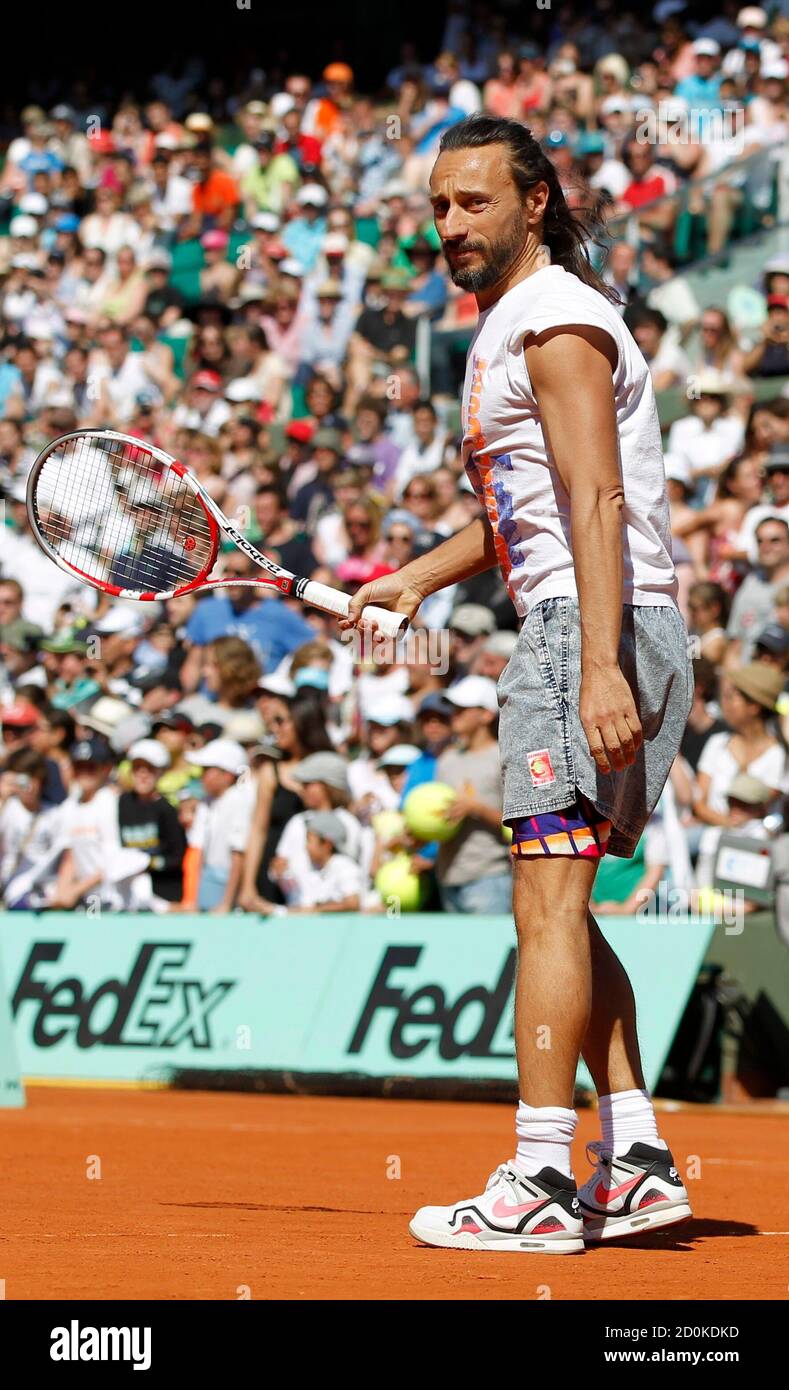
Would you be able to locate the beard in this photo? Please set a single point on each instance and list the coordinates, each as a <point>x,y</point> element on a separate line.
<point>500,255</point>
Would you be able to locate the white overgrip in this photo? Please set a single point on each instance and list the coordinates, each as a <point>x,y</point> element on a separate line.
<point>333,601</point>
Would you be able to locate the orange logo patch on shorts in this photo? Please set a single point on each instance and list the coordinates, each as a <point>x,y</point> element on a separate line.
<point>541,768</point>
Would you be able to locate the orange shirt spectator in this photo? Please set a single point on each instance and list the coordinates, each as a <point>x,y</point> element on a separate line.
<point>219,192</point>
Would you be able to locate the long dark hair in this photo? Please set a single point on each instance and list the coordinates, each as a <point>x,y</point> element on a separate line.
<point>565,233</point>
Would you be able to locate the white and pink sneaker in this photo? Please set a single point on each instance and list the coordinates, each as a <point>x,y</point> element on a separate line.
<point>631,1193</point>
<point>514,1213</point>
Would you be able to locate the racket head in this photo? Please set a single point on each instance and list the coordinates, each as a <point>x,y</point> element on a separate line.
<point>121,515</point>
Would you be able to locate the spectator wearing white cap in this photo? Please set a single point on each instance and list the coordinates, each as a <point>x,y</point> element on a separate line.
<point>149,823</point>
<point>387,721</point>
<point>473,869</point>
<point>221,831</point>
<point>711,434</point>
<point>333,882</point>
<point>92,867</point>
<point>323,778</point>
<point>469,625</point>
<point>701,90</point>
<point>304,234</point>
<point>752,24</point>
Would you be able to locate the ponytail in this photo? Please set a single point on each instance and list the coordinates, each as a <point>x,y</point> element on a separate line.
<point>565,233</point>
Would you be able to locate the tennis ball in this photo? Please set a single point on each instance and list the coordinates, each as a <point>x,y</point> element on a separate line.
<point>506,834</point>
<point>709,901</point>
<point>395,880</point>
<point>424,809</point>
<point>388,825</point>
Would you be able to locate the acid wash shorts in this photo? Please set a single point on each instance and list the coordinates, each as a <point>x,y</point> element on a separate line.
<point>544,753</point>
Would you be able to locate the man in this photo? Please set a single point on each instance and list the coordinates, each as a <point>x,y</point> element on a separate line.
<point>257,616</point>
<point>473,869</point>
<point>562,444</point>
<point>148,822</point>
<point>224,828</point>
<point>754,602</point>
<point>776,466</point>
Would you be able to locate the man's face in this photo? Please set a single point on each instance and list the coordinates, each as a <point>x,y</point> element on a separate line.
<point>237,566</point>
<point>436,729</point>
<point>778,480</point>
<point>89,777</point>
<point>466,723</point>
<point>479,215</point>
<point>144,777</point>
<point>93,265</point>
<point>10,604</point>
<point>216,781</point>
<point>772,540</point>
<point>424,424</point>
<point>367,425</point>
<point>267,511</point>
<point>115,347</point>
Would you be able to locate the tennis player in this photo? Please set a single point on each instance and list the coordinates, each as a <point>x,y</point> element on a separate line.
<point>562,445</point>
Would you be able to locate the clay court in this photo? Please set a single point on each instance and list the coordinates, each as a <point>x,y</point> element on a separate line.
<point>220,1196</point>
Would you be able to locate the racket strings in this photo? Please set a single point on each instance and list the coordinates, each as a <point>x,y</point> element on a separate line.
<point>115,513</point>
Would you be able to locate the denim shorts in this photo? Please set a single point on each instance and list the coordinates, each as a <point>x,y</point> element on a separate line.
<point>544,753</point>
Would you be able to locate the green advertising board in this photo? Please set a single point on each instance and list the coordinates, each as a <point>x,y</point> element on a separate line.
<point>426,996</point>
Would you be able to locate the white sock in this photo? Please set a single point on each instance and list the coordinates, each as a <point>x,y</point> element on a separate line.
<point>545,1134</point>
<point>628,1117</point>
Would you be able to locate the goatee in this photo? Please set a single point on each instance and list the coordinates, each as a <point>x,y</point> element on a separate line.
<point>500,257</point>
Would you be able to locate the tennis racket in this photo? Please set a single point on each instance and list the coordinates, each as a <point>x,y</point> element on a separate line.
<point>133,522</point>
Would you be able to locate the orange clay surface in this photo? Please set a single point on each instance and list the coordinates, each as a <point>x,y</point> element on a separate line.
<point>202,1194</point>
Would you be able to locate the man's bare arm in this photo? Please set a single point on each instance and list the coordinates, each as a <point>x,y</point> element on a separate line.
<point>469,552</point>
<point>571,375</point>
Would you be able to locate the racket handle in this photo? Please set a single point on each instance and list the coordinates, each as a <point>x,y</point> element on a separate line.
<point>332,601</point>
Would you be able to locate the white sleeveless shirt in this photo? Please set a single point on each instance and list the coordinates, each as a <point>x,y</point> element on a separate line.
<point>512,470</point>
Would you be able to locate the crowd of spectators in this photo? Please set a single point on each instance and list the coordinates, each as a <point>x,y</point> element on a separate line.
<point>255,284</point>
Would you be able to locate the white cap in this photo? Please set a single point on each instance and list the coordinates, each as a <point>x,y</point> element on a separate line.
<point>290,266</point>
<point>334,243</point>
<point>402,755</point>
<point>777,71</point>
<point>23,225</point>
<point>474,692</point>
<point>242,389</point>
<point>387,709</point>
<point>266,222</point>
<point>245,726</point>
<point>121,619</point>
<point>706,48</point>
<point>34,203</point>
<point>395,188</point>
<point>223,753</point>
<point>277,683</point>
<point>149,750</point>
<point>312,195</point>
<point>752,17</point>
<point>281,103</point>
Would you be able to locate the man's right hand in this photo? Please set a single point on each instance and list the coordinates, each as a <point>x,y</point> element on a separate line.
<point>394,592</point>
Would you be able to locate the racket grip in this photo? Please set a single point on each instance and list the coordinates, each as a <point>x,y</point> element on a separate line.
<point>332,601</point>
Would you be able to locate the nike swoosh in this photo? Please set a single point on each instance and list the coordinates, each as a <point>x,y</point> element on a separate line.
<point>604,1195</point>
<point>501,1208</point>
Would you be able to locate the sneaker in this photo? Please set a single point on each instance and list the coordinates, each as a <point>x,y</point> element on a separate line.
<point>514,1213</point>
<point>629,1193</point>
